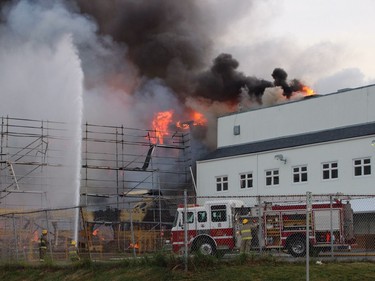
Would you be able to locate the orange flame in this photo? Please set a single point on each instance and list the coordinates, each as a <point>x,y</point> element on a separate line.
<point>160,124</point>
<point>307,91</point>
<point>95,232</point>
<point>35,237</point>
<point>162,121</point>
<point>197,118</point>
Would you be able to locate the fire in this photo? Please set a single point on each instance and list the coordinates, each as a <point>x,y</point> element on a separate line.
<point>160,124</point>
<point>35,237</point>
<point>96,233</point>
<point>162,121</point>
<point>197,118</point>
<point>308,91</point>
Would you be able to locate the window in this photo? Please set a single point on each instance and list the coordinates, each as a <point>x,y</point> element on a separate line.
<point>299,174</point>
<point>246,180</point>
<point>190,217</point>
<point>330,170</point>
<point>272,177</point>
<point>202,216</point>
<point>218,213</point>
<point>222,183</point>
<point>362,167</point>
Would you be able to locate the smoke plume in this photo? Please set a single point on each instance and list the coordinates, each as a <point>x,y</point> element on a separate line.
<point>170,40</point>
<point>140,57</point>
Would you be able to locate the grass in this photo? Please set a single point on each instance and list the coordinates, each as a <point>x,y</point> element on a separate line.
<point>162,266</point>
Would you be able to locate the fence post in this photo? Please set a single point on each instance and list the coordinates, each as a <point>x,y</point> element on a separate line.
<point>185,232</point>
<point>132,231</point>
<point>308,210</point>
<point>331,223</point>
<point>48,236</point>
<point>260,230</point>
<point>87,237</point>
<point>15,237</point>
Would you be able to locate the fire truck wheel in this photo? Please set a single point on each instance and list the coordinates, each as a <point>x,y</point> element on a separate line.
<point>205,248</point>
<point>297,246</point>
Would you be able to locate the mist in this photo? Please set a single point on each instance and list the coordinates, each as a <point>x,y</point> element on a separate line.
<point>41,79</point>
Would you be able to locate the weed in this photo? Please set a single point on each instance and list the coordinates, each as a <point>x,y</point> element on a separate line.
<point>160,259</point>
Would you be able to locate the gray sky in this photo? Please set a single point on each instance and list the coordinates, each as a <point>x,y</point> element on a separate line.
<point>327,44</point>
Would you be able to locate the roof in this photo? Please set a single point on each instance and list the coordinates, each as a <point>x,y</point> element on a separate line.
<point>294,141</point>
<point>365,205</point>
<point>302,99</point>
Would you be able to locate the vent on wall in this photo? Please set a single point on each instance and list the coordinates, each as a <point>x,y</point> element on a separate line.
<point>236,130</point>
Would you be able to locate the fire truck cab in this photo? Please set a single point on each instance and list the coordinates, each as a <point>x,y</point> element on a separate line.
<point>209,228</point>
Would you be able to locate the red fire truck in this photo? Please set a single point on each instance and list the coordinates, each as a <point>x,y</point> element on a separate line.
<point>213,227</point>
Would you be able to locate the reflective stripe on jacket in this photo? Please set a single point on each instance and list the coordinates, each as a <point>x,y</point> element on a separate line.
<point>43,242</point>
<point>246,232</point>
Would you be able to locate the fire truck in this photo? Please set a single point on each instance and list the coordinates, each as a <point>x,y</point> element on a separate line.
<point>213,228</point>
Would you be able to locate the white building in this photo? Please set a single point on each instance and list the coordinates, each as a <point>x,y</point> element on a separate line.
<point>323,144</point>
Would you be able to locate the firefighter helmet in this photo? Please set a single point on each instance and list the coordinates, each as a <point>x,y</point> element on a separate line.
<point>44,231</point>
<point>73,243</point>
<point>245,221</point>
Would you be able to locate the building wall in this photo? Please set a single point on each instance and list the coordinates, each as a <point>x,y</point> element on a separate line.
<point>312,156</point>
<point>299,117</point>
<point>295,118</point>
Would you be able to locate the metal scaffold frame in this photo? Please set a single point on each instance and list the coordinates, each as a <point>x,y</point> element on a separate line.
<point>24,153</point>
<point>130,159</point>
<point>118,151</point>
<point>122,170</point>
<point>31,153</point>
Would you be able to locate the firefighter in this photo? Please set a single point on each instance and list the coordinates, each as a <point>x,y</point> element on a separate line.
<point>43,243</point>
<point>245,236</point>
<point>73,251</point>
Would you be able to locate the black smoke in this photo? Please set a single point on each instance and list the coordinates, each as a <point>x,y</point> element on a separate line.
<point>280,77</point>
<point>165,39</point>
<point>171,40</point>
<point>222,82</point>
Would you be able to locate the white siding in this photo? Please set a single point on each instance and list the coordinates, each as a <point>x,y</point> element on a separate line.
<point>313,156</point>
<point>293,118</point>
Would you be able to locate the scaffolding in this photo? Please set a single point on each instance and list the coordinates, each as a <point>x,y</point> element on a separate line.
<point>25,157</point>
<point>127,177</point>
<point>116,161</point>
<point>121,169</point>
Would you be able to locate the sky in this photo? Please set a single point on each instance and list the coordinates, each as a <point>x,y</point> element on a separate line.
<point>329,44</point>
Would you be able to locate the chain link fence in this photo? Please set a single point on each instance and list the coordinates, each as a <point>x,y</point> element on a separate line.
<point>294,226</point>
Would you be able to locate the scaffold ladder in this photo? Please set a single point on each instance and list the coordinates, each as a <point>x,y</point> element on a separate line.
<point>12,173</point>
